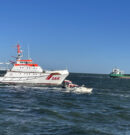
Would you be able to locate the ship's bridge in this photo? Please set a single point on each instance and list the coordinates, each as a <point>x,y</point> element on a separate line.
<point>26,66</point>
<point>25,63</point>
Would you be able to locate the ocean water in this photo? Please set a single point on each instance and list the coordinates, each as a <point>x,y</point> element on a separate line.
<point>54,111</point>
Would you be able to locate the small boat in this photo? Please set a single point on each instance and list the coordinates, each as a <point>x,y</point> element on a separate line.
<point>26,72</point>
<point>117,73</point>
<point>74,87</point>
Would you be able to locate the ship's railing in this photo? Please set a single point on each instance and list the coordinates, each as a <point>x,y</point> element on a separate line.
<point>4,66</point>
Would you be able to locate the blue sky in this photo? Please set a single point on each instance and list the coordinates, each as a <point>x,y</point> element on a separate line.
<point>90,36</point>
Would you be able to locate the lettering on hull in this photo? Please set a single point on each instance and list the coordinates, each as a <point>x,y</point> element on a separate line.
<point>51,76</point>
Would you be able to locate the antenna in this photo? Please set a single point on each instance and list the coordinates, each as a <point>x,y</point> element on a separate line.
<point>28,53</point>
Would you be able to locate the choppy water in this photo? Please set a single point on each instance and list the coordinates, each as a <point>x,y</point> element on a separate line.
<point>52,111</point>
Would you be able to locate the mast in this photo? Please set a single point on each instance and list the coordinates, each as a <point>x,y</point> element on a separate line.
<point>29,58</point>
<point>19,51</point>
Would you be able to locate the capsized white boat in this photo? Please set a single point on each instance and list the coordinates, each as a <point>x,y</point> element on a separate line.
<point>25,72</point>
<point>74,87</point>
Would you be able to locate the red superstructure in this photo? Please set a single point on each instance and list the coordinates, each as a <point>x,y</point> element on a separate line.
<point>32,65</point>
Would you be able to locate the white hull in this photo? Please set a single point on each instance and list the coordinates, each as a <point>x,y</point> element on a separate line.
<point>80,89</point>
<point>55,78</point>
<point>84,90</point>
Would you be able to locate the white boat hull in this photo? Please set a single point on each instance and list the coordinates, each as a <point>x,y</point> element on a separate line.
<point>52,78</point>
<point>81,89</point>
<point>84,90</point>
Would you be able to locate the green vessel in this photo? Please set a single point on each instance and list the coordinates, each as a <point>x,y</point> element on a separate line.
<point>116,73</point>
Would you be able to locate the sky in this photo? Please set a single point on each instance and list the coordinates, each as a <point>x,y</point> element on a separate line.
<point>84,36</point>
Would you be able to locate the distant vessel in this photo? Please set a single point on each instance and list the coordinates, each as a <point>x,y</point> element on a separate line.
<point>25,72</point>
<point>116,73</point>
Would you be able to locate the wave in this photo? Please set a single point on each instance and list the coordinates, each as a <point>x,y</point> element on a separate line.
<point>78,90</point>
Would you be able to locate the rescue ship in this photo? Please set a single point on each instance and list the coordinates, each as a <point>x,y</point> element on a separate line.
<point>25,72</point>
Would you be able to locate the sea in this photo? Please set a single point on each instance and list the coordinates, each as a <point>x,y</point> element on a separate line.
<point>55,111</point>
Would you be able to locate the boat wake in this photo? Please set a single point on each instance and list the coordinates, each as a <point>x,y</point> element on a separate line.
<point>76,90</point>
<point>80,90</point>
